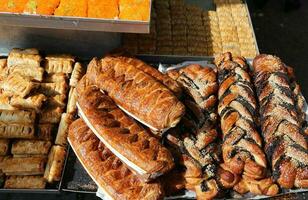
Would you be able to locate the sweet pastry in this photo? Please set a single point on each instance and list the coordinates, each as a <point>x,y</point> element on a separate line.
<point>25,182</point>
<point>242,145</point>
<point>77,74</point>
<point>55,163</point>
<point>45,132</point>
<point>4,147</point>
<point>17,116</point>
<point>66,120</point>
<point>136,92</point>
<point>16,84</point>
<point>60,63</point>
<point>23,166</point>
<point>285,141</point>
<point>51,89</point>
<point>33,73</point>
<point>33,102</point>
<point>107,9</point>
<point>30,147</point>
<point>72,100</point>
<point>21,131</point>
<point>112,176</point>
<point>123,136</point>
<point>24,57</point>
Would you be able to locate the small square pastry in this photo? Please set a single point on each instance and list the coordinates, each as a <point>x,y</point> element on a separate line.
<point>29,57</point>
<point>59,64</point>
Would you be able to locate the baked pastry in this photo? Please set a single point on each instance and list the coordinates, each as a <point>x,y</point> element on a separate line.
<point>123,136</point>
<point>77,74</point>
<point>134,10</point>
<point>30,147</point>
<point>162,78</point>
<point>106,169</point>
<point>23,166</point>
<point>50,115</point>
<point>242,145</point>
<point>33,73</point>
<point>59,63</point>
<point>72,100</point>
<point>136,92</point>
<point>66,120</point>
<point>17,116</point>
<point>4,146</point>
<point>52,89</point>
<point>45,132</point>
<point>24,57</point>
<point>33,102</point>
<point>5,102</point>
<point>82,85</point>
<point>25,182</point>
<point>285,141</point>
<point>54,166</point>
<point>107,9</point>
<point>72,8</point>
<point>16,131</point>
<point>41,7</point>
<point>15,84</point>
<point>58,100</point>
<point>55,77</point>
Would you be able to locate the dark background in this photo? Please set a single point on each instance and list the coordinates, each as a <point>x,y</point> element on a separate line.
<point>279,32</point>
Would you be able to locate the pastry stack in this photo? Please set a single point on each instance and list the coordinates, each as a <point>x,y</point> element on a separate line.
<point>33,123</point>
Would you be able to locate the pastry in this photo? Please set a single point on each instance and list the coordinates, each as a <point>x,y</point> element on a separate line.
<point>17,116</point>
<point>23,166</point>
<point>50,115</point>
<point>54,166</point>
<point>59,63</point>
<point>17,85</point>
<point>285,141</point>
<point>41,7</point>
<point>107,9</point>
<point>58,100</point>
<point>30,147</point>
<point>123,136</point>
<point>82,85</point>
<point>76,8</point>
<point>136,92</point>
<point>112,176</point>
<point>33,102</point>
<point>33,73</point>
<point>16,131</point>
<point>56,77</point>
<point>24,57</point>
<point>66,120</point>
<point>24,182</point>
<point>72,100</point>
<point>51,89</point>
<point>4,146</point>
<point>77,74</point>
<point>134,10</point>
<point>45,132</point>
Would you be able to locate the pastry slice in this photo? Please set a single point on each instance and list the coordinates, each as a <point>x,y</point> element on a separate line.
<point>4,146</point>
<point>16,131</point>
<point>28,57</point>
<point>30,147</point>
<point>112,176</point>
<point>25,182</point>
<point>59,63</point>
<point>77,74</point>
<point>45,132</point>
<point>136,10</point>
<point>50,115</point>
<point>33,102</point>
<point>66,120</point>
<point>54,166</point>
<point>17,116</point>
<point>33,73</point>
<point>51,89</point>
<point>18,85</point>
<point>24,166</point>
<point>72,100</point>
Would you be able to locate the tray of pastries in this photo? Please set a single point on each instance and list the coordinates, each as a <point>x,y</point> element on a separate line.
<point>37,105</point>
<point>219,128</point>
<point>91,15</point>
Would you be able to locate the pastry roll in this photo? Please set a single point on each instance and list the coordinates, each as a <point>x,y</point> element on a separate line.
<point>26,57</point>
<point>54,166</point>
<point>33,73</point>
<point>50,115</point>
<point>33,102</point>
<point>72,100</point>
<point>21,131</point>
<point>45,132</point>
<point>51,89</point>
<point>24,166</point>
<point>4,147</point>
<point>106,169</point>
<point>123,136</point>
<point>18,85</point>
<point>136,92</point>
<point>24,182</point>
<point>17,116</point>
<point>58,100</point>
<point>66,120</point>
<point>57,77</point>
<point>77,74</point>
<point>26,147</point>
<point>59,63</point>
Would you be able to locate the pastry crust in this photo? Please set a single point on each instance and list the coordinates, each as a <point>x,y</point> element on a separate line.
<point>77,74</point>
<point>136,92</point>
<point>54,167</point>
<point>23,166</point>
<point>45,132</point>
<point>114,177</point>
<point>56,77</point>
<point>33,102</point>
<point>72,8</point>
<point>129,140</point>
<point>50,115</point>
<point>72,100</point>
<point>52,89</point>
<point>17,116</point>
<point>59,64</point>
<point>25,182</point>
<point>4,147</point>
<point>33,73</point>
<point>17,85</point>
<point>30,147</point>
<point>41,7</point>
<point>16,131</point>
<point>58,100</point>
<point>24,57</point>
<point>82,85</point>
<point>66,120</point>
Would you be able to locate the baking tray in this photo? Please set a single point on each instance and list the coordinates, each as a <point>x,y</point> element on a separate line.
<point>75,23</point>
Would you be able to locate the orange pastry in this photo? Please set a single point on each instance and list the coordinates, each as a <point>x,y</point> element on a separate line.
<point>3,6</point>
<point>77,8</point>
<point>107,9</point>
<point>135,9</point>
<point>42,7</point>
<point>16,6</point>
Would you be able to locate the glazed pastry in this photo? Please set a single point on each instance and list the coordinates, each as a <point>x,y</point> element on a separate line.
<point>17,85</point>
<point>17,116</point>
<point>111,175</point>
<point>77,74</point>
<point>33,102</point>
<point>33,73</point>
<point>24,57</point>
<point>16,131</point>
<point>45,132</point>
<point>123,136</point>
<point>24,182</point>
<point>59,64</point>
<point>242,145</point>
<point>82,85</point>
<point>285,141</point>
<point>72,100</point>
<point>51,89</point>
<point>30,147</point>
<point>50,115</point>
<point>23,166</point>
<point>54,166</point>
<point>66,120</point>
<point>4,146</point>
<point>136,92</point>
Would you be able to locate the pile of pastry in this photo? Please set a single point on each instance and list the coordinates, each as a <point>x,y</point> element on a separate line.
<point>37,104</point>
<point>178,28</point>
<point>217,131</point>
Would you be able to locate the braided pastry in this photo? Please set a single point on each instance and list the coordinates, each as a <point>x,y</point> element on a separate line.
<point>242,144</point>
<point>286,143</point>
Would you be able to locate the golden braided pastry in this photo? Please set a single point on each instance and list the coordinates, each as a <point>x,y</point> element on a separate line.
<point>286,142</point>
